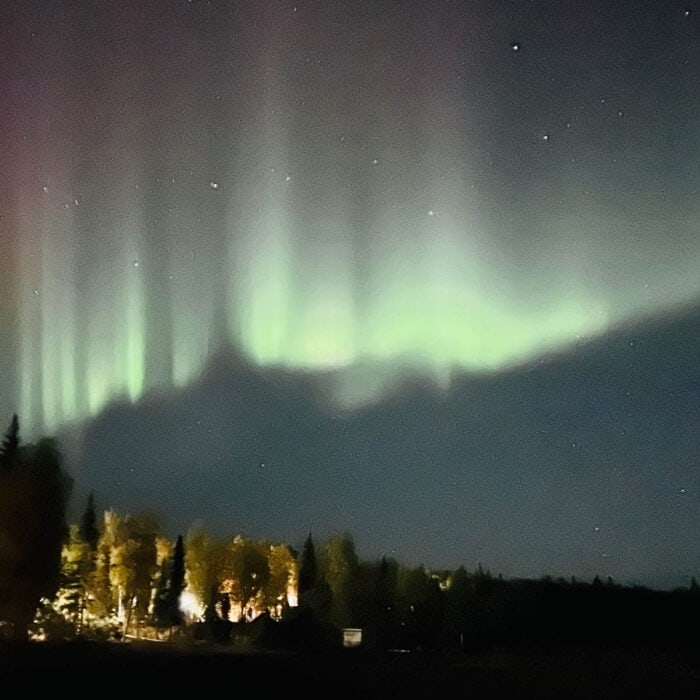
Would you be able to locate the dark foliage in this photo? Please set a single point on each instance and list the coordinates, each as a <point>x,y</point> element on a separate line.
<point>89,531</point>
<point>10,444</point>
<point>315,596</point>
<point>33,528</point>
<point>308,571</point>
<point>167,607</point>
<point>301,629</point>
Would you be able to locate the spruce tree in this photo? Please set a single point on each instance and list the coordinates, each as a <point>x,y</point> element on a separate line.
<point>167,611</point>
<point>33,524</point>
<point>88,524</point>
<point>177,577</point>
<point>308,570</point>
<point>10,443</point>
<point>315,596</point>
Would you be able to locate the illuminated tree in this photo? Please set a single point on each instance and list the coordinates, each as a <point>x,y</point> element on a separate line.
<point>133,565</point>
<point>217,571</point>
<point>281,589</point>
<point>83,548</point>
<point>70,600</point>
<point>33,498</point>
<point>104,600</point>
<point>251,573</point>
<point>200,567</point>
<point>208,566</point>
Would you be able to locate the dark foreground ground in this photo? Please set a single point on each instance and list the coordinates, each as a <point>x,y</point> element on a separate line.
<point>563,673</point>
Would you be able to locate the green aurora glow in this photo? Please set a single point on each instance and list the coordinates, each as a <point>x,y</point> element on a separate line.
<point>406,221</point>
<point>432,304</point>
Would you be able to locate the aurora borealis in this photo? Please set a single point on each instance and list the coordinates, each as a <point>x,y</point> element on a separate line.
<point>335,188</point>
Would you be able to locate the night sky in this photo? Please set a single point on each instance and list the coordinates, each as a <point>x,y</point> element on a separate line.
<point>427,272</point>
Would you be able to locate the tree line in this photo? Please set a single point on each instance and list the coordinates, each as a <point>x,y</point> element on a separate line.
<point>118,575</point>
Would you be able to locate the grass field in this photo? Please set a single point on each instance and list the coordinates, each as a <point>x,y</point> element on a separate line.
<point>566,672</point>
